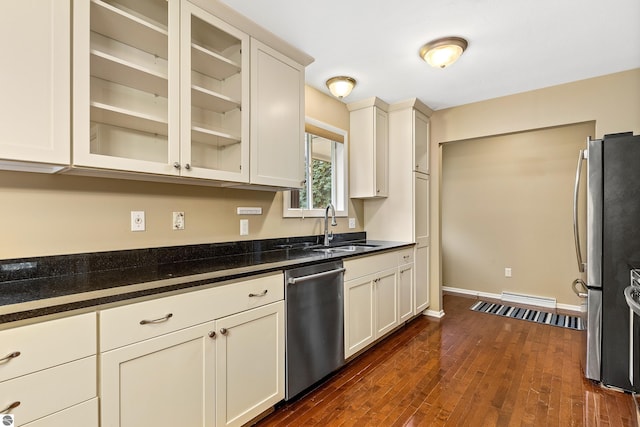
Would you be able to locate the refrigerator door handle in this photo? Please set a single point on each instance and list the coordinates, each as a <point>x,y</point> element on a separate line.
<point>576,228</point>
<point>576,291</point>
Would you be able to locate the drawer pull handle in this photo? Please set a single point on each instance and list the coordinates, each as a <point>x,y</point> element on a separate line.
<point>8,357</point>
<point>224,331</point>
<point>406,256</point>
<point>10,408</point>
<point>160,320</point>
<point>263,293</point>
<point>404,271</point>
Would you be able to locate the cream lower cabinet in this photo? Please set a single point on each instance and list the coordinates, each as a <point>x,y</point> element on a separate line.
<point>48,372</point>
<point>370,300</point>
<point>249,364</point>
<point>165,381</point>
<point>406,285</point>
<point>213,357</point>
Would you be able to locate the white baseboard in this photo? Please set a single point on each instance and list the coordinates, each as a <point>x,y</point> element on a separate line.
<point>434,313</point>
<point>529,299</point>
<point>524,299</point>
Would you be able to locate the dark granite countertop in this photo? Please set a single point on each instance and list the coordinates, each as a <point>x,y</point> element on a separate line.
<point>33,287</point>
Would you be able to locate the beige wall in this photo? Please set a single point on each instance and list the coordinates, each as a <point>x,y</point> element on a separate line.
<point>507,202</point>
<point>58,214</point>
<point>612,101</point>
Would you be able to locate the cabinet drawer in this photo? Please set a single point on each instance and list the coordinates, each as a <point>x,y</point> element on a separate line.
<point>51,390</point>
<point>84,414</point>
<point>140,321</point>
<point>46,344</point>
<point>405,256</point>
<point>369,264</point>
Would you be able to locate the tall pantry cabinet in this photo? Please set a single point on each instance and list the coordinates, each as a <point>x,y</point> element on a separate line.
<point>404,214</point>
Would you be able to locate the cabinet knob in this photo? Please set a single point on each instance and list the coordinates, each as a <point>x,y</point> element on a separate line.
<point>187,166</point>
<point>176,165</point>
<point>224,331</point>
<point>212,334</point>
<point>10,408</point>
<point>9,356</point>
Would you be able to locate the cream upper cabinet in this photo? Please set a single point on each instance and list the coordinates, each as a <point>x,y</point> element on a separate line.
<point>421,141</point>
<point>277,118</point>
<point>214,58</point>
<point>126,85</point>
<point>369,144</point>
<point>35,106</point>
<point>162,87</point>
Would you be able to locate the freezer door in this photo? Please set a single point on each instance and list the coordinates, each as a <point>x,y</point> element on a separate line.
<point>594,213</point>
<point>591,362</point>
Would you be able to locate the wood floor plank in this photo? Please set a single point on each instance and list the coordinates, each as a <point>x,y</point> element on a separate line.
<point>466,369</point>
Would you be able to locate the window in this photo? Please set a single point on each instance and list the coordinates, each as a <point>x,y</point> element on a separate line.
<point>325,173</point>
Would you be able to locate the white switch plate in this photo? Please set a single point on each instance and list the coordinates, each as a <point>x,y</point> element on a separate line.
<point>244,227</point>
<point>137,220</point>
<point>507,272</point>
<point>352,223</point>
<point>178,221</point>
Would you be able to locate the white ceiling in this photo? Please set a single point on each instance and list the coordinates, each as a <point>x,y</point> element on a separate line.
<point>514,45</point>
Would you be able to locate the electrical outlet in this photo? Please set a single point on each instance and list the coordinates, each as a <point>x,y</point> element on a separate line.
<point>137,221</point>
<point>507,272</point>
<point>244,227</point>
<point>352,223</point>
<point>178,221</point>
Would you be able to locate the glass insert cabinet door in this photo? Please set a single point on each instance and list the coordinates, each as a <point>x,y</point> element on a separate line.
<point>142,69</point>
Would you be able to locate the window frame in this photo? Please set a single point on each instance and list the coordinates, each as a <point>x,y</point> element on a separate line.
<point>340,183</point>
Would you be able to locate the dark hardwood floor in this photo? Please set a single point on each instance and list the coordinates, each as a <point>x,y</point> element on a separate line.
<point>466,369</point>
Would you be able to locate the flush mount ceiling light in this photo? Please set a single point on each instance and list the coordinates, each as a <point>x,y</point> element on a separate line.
<point>341,86</point>
<point>443,52</point>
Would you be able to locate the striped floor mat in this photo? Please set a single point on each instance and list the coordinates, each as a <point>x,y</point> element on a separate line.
<point>564,321</point>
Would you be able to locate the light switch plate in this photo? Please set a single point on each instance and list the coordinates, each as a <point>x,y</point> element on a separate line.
<point>352,223</point>
<point>244,227</point>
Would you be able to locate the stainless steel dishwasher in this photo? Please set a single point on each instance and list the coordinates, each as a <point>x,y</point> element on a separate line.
<point>315,324</point>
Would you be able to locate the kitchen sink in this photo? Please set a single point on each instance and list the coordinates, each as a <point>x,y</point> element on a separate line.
<point>353,247</point>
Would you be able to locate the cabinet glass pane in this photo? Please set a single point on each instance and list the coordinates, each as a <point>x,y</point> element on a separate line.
<point>216,97</point>
<point>129,79</point>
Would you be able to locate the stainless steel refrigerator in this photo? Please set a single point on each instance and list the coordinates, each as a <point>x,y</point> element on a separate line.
<point>612,250</point>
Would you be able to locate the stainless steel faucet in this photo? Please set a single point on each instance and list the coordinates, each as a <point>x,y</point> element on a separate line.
<point>328,235</point>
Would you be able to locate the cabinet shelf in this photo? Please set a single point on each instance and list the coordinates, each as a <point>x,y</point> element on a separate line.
<point>120,25</point>
<point>211,63</point>
<point>121,117</point>
<point>111,68</point>
<point>213,101</point>
<point>218,137</point>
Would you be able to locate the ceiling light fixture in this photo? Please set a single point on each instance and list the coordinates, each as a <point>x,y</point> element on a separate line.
<point>341,86</point>
<point>441,53</point>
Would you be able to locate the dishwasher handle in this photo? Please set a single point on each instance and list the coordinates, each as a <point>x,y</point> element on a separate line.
<point>295,280</point>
